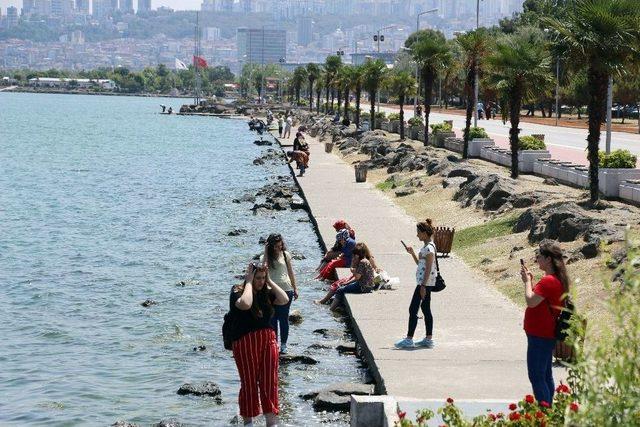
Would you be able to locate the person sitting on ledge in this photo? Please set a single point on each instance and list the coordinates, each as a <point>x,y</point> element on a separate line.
<point>363,274</point>
<point>301,158</point>
<point>347,244</point>
<point>335,250</point>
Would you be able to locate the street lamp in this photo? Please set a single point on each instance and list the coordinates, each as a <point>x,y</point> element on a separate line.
<point>380,38</point>
<point>477,79</point>
<point>415,98</point>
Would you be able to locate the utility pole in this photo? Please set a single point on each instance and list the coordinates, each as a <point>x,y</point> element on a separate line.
<point>415,98</point>
<point>557,89</point>
<point>609,107</point>
<point>477,79</point>
<point>377,38</point>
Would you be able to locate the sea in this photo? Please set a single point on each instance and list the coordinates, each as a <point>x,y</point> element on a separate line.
<point>105,203</point>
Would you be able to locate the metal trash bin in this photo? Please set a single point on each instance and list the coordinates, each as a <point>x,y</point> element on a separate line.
<point>328,147</point>
<point>361,173</point>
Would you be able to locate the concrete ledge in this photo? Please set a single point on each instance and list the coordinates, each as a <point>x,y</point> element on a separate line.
<point>373,411</point>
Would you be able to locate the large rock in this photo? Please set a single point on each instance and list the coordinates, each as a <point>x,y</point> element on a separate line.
<point>490,192</point>
<point>286,359</point>
<point>123,424</point>
<point>295,317</point>
<point>329,333</point>
<point>454,182</point>
<point>171,422</point>
<point>237,232</point>
<point>207,388</point>
<point>327,401</point>
<point>463,172</point>
<point>337,397</point>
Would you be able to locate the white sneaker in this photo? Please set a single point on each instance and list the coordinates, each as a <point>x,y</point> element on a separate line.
<point>283,349</point>
<point>405,343</point>
<point>425,342</point>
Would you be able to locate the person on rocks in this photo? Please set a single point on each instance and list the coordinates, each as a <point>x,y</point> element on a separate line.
<point>425,279</point>
<point>334,252</point>
<point>544,303</point>
<point>255,351</point>
<point>301,158</point>
<point>359,274</point>
<point>347,244</point>
<point>278,261</point>
<point>280,125</point>
<point>287,127</point>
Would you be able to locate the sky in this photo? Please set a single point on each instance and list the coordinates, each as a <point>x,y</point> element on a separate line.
<point>175,4</point>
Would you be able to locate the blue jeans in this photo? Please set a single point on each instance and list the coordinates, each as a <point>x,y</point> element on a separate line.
<point>351,288</point>
<point>539,360</point>
<point>281,316</point>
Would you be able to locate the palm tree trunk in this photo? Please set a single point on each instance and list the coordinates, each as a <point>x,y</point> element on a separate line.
<point>470,90</point>
<point>318,93</point>
<point>428,77</point>
<point>401,117</point>
<point>311,95</point>
<point>333,96</point>
<point>358,94</point>
<point>339,99</point>
<point>298,95</point>
<point>326,104</point>
<point>372,110</point>
<point>598,85</point>
<point>346,103</point>
<point>515,103</point>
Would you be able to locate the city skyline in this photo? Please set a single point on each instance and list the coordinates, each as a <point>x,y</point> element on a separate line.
<point>174,4</point>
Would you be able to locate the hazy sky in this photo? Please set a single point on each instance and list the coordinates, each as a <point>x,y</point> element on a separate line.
<point>176,4</point>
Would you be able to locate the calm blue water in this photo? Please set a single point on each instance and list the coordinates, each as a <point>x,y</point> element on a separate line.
<point>103,204</point>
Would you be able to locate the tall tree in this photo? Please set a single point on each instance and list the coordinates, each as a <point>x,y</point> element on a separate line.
<point>313,73</point>
<point>518,67</point>
<point>357,80</point>
<point>331,66</point>
<point>319,87</point>
<point>299,78</point>
<point>474,46</point>
<point>603,36</point>
<point>346,80</point>
<point>403,85</point>
<point>431,51</point>
<point>373,75</point>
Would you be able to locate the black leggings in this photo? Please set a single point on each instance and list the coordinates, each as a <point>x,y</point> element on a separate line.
<point>426,311</point>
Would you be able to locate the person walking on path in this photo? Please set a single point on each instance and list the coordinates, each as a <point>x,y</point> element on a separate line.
<point>425,279</point>
<point>544,302</point>
<point>278,261</point>
<point>255,351</point>
<point>280,125</point>
<point>287,127</point>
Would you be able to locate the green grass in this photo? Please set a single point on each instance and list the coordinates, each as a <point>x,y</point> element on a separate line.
<point>478,234</point>
<point>384,185</point>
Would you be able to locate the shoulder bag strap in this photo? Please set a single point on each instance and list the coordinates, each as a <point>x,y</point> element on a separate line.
<point>435,253</point>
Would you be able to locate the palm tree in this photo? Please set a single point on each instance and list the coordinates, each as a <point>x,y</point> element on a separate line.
<point>518,68</point>
<point>313,73</point>
<point>602,36</point>
<point>430,50</point>
<point>402,84</point>
<point>299,78</point>
<point>357,80</point>
<point>474,46</point>
<point>373,76</point>
<point>319,87</point>
<point>331,66</point>
<point>346,79</point>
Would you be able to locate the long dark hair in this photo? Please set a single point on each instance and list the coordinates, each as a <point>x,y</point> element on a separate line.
<point>551,249</point>
<point>271,249</point>
<point>261,306</point>
<point>362,251</point>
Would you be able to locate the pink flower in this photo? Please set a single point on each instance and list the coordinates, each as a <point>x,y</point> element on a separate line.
<point>513,407</point>
<point>574,407</point>
<point>529,399</point>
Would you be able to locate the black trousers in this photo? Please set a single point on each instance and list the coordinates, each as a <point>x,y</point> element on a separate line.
<point>425,305</point>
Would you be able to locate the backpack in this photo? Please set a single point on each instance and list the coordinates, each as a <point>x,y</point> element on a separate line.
<point>563,351</point>
<point>439,285</point>
<point>229,330</point>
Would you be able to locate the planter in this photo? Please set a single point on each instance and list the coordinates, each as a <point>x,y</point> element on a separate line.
<point>413,131</point>
<point>439,138</point>
<point>610,180</point>
<point>386,126</point>
<point>361,173</point>
<point>420,135</point>
<point>476,144</point>
<point>395,126</point>
<point>328,147</point>
<point>630,191</point>
<point>454,144</point>
<point>527,158</point>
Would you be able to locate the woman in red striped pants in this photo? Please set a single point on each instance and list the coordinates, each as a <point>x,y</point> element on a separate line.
<point>255,349</point>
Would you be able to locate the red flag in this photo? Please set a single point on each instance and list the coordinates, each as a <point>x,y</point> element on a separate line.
<point>200,62</point>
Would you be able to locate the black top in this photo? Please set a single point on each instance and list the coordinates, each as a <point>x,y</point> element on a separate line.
<point>245,321</point>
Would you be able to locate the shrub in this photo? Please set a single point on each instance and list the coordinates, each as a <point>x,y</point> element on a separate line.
<point>441,127</point>
<point>380,115</point>
<point>621,159</point>
<point>394,116</point>
<point>365,116</point>
<point>415,121</point>
<point>476,132</point>
<point>531,143</point>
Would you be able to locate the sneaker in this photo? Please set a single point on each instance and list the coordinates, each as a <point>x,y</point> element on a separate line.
<point>283,349</point>
<point>425,342</point>
<point>405,343</point>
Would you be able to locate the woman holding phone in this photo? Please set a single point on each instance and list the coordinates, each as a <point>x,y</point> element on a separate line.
<point>255,350</point>
<point>544,302</point>
<point>425,279</point>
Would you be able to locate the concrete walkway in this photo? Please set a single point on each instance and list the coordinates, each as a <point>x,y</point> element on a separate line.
<point>480,345</point>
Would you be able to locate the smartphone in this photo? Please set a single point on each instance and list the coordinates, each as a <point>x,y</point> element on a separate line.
<point>403,244</point>
<point>521,261</point>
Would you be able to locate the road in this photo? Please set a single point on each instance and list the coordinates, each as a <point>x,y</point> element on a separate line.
<point>564,143</point>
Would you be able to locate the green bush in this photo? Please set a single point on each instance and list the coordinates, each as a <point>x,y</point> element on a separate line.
<point>380,115</point>
<point>415,121</point>
<point>394,116</point>
<point>531,143</point>
<point>365,116</point>
<point>441,127</point>
<point>476,132</point>
<point>620,159</point>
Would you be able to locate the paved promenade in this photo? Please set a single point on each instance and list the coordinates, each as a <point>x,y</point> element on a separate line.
<point>480,345</point>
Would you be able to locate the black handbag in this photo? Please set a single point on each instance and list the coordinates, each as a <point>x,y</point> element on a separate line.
<point>229,331</point>
<point>439,285</point>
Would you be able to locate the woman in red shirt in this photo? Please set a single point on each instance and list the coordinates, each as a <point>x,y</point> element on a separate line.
<point>544,301</point>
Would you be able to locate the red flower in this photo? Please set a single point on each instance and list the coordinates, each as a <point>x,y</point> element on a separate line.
<point>527,416</point>
<point>492,417</point>
<point>544,404</point>
<point>539,414</point>
<point>513,407</point>
<point>574,407</point>
<point>402,415</point>
<point>514,416</point>
<point>563,388</point>
<point>500,415</point>
<point>449,400</point>
<point>529,399</point>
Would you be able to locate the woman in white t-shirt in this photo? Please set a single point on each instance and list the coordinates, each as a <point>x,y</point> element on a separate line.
<point>278,261</point>
<point>425,279</point>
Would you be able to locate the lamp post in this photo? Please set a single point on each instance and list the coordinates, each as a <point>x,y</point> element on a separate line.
<point>477,79</point>
<point>380,38</point>
<point>609,118</point>
<point>415,98</point>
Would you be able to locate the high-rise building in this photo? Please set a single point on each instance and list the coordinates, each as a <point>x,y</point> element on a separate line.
<point>126,6</point>
<point>261,46</point>
<point>28,7</point>
<point>61,7</point>
<point>102,8</point>
<point>82,6</point>
<point>12,16</point>
<point>42,7</point>
<point>247,6</point>
<point>305,30</point>
<point>211,34</point>
<point>144,6</point>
